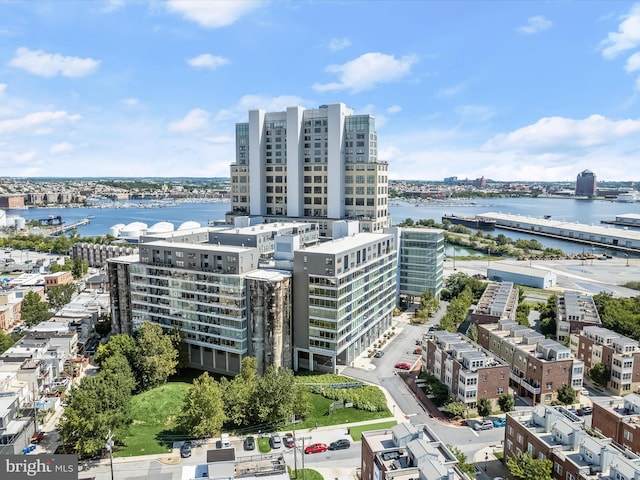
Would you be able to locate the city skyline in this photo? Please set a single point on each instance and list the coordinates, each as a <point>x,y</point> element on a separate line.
<point>506,90</point>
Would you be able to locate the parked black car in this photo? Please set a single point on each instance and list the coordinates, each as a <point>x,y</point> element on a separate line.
<point>341,444</point>
<point>585,411</point>
<point>249,443</point>
<point>185,449</point>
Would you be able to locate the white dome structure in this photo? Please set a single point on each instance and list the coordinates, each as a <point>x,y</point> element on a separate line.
<point>189,225</point>
<point>115,230</point>
<point>161,227</point>
<point>132,232</point>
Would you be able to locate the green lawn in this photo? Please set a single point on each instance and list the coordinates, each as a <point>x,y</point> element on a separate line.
<point>153,414</point>
<point>307,474</point>
<point>356,432</point>
<point>320,416</point>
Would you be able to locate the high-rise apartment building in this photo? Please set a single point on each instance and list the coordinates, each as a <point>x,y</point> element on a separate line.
<point>586,184</point>
<point>317,165</point>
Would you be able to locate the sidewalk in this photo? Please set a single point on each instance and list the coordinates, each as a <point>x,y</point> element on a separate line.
<point>488,465</point>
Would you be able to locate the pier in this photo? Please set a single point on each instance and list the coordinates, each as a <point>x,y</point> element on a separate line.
<point>59,230</point>
<point>595,236</point>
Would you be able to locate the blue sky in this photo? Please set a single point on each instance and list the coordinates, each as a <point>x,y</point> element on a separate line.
<point>508,90</point>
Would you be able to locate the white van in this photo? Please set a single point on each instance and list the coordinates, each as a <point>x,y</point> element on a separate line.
<point>225,442</point>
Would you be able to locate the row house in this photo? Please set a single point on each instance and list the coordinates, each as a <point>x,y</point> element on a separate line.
<point>555,434</point>
<point>574,312</point>
<point>10,309</point>
<point>539,366</point>
<point>619,419</point>
<point>97,255</point>
<point>469,372</point>
<point>619,354</point>
<point>499,301</point>
<point>407,451</point>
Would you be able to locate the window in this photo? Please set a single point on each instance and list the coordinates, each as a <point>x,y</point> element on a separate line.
<point>627,435</point>
<point>549,385</point>
<point>558,468</point>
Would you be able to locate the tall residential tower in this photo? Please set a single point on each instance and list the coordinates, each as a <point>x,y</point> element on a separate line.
<point>317,165</point>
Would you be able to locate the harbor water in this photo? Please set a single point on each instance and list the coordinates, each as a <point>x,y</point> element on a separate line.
<point>105,215</point>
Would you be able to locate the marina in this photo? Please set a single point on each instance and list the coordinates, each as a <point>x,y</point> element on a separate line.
<point>476,222</point>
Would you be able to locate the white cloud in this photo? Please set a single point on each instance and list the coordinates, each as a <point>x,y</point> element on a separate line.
<point>394,109</point>
<point>61,148</point>
<point>213,14</point>
<point>626,38</point>
<point>209,61</point>
<point>452,91</point>
<point>196,120</point>
<point>560,134</point>
<point>49,65</point>
<point>633,63</point>
<point>112,6</point>
<point>535,25</point>
<point>366,71</point>
<point>14,158</point>
<point>238,112</point>
<point>338,44</point>
<point>130,102</point>
<point>38,120</point>
<point>3,87</point>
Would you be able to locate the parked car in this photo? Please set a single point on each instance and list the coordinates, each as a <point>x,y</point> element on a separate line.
<point>403,366</point>
<point>378,354</point>
<point>484,425</point>
<point>418,351</point>
<point>275,440</point>
<point>289,441</point>
<point>500,422</point>
<point>341,444</point>
<point>249,443</point>
<point>185,449</point>
<point>37,437</point>
<point>584,411</point>
<point>316,448</point>
<point>584,391</point>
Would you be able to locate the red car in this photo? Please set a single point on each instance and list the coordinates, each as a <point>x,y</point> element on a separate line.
<point>289,441</point>
<point>316,448</point>
<point>403,366</point>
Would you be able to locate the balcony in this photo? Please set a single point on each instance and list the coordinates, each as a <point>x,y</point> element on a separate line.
<point>527,386</point>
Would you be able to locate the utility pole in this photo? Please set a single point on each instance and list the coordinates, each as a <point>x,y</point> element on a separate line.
<point>109,446</point>
<point>295,446</point>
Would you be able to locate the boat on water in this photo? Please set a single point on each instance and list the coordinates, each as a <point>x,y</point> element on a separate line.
<point>471,222</point>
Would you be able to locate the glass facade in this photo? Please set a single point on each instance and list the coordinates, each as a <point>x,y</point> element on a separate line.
<point>421,260</point>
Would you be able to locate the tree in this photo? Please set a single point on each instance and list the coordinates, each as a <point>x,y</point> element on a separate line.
<point>118,366</point>
<point>522,314</point>
<point>177,340</point>
<point>97,406</point>
<point>34,310</point>
<point>275,402</point>
<point>120,344</point>
<point>526,467</point>
<point>506,402</point>
<point>600,374</point>
<point>472,333</point>
<point>239,394</point>
<point>566,394</point>
<point>5,342</point>
<point>455,409</point>
<point>484,407</point>
<point>468,468</point>
<point>202,414</point>
<point>79,267</point>
<point>60,295</point>
<point>155,358</point>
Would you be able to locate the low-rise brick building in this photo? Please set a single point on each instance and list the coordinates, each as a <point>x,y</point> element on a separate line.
<point>619,354</point>
<point>57,279</point>
<point>574,312</point>
<point>407,451</point>
<point>555,434</point>
<point>619,419</point>
<point>539,366</point>
<point>468,371</point>
<point>499,301</point>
